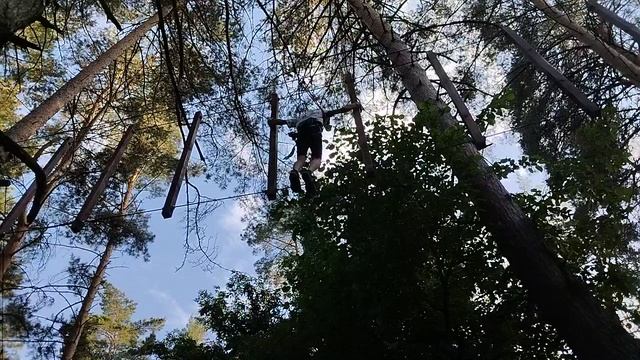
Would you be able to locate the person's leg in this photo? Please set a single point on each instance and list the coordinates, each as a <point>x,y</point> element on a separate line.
<point>316,151</point>
<point>297,166</point>
<point>302,146</point>
<point>315,164</point>
<point>316,160</point>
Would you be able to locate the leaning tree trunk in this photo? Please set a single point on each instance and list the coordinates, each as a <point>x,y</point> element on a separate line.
<point>28,125</point>
<point>15,240</point>
<point>12,247</point>
<point>16,15</point>
<point>71,342</point>
<point>590,330</point>
<point>609,54</point>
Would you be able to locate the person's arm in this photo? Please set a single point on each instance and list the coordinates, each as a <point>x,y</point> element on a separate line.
<point>326,115</point>
<point>278,122</point>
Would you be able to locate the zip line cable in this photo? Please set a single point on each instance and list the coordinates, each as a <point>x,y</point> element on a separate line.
<point>230,197</point>
<point>140,212</point>
<point>212,100</point>
<point>209,113</point>
<point>298,79</point>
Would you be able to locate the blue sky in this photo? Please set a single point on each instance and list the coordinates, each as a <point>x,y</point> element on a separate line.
<point>167,285</point>
<point>161,290</point>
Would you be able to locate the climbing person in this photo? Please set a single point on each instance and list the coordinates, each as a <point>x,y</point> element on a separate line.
<point>308,135</point>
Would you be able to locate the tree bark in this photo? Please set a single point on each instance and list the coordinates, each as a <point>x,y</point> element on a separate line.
<point>71,342</point>
<point>357,117</point>
<point>616,20</point>
<point>609,54</point>
<point>564,301</point>
<point>15,240</point>
<point>103,181</point>
<point>16,15</point>
<point>272,173</point>
<point>28,125</point>
<point>12,246</point>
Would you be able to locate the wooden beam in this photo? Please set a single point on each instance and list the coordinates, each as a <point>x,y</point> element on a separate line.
<point>357,117</point>
<point>40,177</point>
<point>272,172</point>
<point>20,207</point>
<point>558,78</point>
<point>181,170</point>
<point>561,298</point>
<point>479,140</point>
<point>101,185</point>
<point>616,20</point>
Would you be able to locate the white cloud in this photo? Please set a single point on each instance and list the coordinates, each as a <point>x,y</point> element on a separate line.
<point>232,219</point>
<point>177,316</point>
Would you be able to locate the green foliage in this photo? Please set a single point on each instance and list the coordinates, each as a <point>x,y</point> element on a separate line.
<point>248,318</point>
<point>8,104</point>
<point>397,268</point>
<point>130,233</point>
<point>178,346</point>
<point>195,330</point>
<point>498,107</point>
<point>188,343</point>
<point>15,323</point>
<point>113,334</point>
<point>134,89</point>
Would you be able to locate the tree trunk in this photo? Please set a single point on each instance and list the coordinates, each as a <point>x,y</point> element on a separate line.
<point>17,237</point>
<point>590,330</point>
<point>609,54</point>
<point>357,118</point>
<point>12,247</point>
<point>71,342</point>
<point>16,15</point>
<point>28,125</point>
<point>613,18</point>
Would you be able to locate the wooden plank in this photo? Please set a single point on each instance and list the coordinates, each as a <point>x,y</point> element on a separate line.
<point>616,20</point>
<point>20,207</point>
<point>181,169</point>
<point>357,117</point>
<point>272,171</point>
<point>479,140</point>
<point>558,78</point>
<point>103,180</point>
<point>40,177</point>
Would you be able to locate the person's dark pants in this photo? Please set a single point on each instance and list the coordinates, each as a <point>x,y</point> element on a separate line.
<point>310,137</point>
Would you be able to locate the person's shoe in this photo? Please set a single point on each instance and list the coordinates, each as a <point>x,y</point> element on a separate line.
<point>309,182</point>
<point>294,179</point>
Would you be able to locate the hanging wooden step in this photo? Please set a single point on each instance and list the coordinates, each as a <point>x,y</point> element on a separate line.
<point>272,170</point>
<point>20,207</point>
<point>40,180</point>
<point>556,76</point>
<point>101,185</point>
<point>349,83</point>
<point>181,169</point>
<point>479,140</point>
<point>616,20</point>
